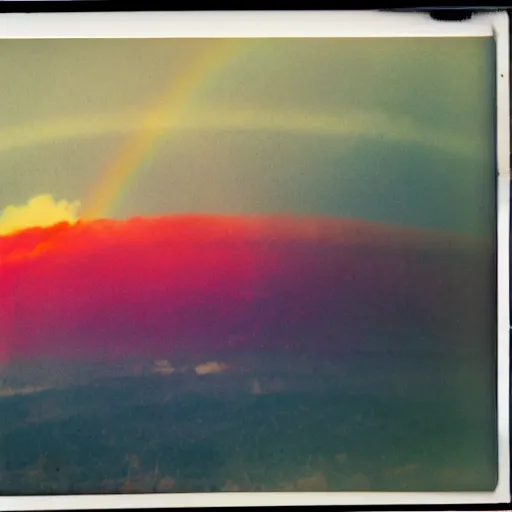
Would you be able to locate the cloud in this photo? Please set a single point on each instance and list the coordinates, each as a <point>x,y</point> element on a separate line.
<point>40,211</point>
<point>27,390</point>
<point>210,367</point>
<point>198,285</point>
<point>163,367</point>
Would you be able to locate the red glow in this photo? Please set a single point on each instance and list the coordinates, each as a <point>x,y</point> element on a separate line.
<point>111,288</point>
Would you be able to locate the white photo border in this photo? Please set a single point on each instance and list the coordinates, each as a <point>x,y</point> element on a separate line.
<point>246,24</point>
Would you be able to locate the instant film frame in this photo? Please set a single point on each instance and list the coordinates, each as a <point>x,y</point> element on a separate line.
<point>266,25</point>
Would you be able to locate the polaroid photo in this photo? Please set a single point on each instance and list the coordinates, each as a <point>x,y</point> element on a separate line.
<point>253,259</point>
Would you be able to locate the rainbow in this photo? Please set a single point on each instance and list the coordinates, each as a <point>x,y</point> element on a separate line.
<point>138,149</point>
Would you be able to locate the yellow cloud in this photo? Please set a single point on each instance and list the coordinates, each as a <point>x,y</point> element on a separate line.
<point>40,211</point>
<point>210,367</point>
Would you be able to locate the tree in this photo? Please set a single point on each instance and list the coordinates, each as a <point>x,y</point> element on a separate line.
<point>165,484</point>
<point>133,463</point>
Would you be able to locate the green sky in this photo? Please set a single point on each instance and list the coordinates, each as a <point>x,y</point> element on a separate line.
<point>417,146</point>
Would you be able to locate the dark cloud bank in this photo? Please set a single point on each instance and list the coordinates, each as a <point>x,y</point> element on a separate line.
<point>205,284</point>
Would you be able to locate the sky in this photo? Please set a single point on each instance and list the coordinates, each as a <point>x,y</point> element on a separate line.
<point>365,157</point>
<point>385,130</point>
